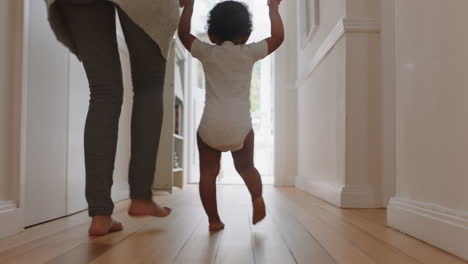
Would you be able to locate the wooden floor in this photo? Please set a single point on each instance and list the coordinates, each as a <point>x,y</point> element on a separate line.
<point>299,229</point>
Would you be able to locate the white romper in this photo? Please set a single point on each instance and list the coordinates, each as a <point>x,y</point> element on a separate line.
<point>226,119</point>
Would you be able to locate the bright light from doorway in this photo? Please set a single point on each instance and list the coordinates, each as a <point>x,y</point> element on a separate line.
<point>262,101</point>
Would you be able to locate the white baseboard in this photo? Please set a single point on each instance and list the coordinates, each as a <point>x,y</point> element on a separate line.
<point>328,192</point>
<point>442,227</point>
<point>359,196</point>
<point>348,196</point>
<point>11,221</point>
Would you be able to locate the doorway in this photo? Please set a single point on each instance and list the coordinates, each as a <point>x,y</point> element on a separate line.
<point>262,98</point>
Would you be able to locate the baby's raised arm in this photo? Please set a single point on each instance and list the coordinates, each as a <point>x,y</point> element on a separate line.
<point>277,28</point>
<point>185,24</point>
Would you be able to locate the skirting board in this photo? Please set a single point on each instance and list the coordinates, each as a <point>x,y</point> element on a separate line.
<point>11,221</point>
<point>442,227</point>
<point>348,196</point>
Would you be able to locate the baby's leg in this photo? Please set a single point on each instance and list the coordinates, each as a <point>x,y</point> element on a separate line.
<point>244,163</point>
<point>209,170</point>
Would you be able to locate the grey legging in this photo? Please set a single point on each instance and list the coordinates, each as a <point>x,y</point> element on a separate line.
<point>93,29</point>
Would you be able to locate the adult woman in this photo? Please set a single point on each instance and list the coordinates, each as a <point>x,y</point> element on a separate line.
<point>88,29</point>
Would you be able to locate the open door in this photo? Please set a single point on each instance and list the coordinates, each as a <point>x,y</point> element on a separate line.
<point>197,103</point>
<point>55,105</point>
<point>46,100</point>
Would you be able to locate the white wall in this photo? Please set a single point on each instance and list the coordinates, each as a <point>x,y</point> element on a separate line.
<point>388,99</point>
<point>363,102</point>
<point>285,96</point>
<point>432,124</point>
<point>432,89</point>
<point>8,89</point>
<point>339,118</point>
<point>321,108</point>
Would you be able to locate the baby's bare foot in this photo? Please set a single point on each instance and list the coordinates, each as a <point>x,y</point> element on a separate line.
<point>148,208</point>
<point>103,225</point>
<point>216,226</point>
<point>259,211</point>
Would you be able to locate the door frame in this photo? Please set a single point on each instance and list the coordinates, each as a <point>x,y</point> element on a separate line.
<point>388,102</point>
<point>12,215</point>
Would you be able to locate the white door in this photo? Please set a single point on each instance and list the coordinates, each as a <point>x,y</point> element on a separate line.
<point>197,94</point>
<point>78,108</point>
<point>46,120</point>
<point>57,99</point>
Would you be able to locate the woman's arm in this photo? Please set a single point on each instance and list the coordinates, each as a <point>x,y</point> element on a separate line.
<point>277,28</point>
<point>185,24</point>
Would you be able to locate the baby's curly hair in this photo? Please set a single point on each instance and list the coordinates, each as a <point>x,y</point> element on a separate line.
<point>229,20</point>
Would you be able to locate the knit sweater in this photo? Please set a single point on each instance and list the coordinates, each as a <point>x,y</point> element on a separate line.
<point>158,18</point>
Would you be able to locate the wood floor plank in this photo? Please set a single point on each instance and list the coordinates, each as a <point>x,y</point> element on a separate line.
<point>268,245</point>
<point>83,253</point>
<point>50,228</point>
<point>158,242</point>
<point>412,247</point>
<point>343,251</point>
<point>95,247</point>
<point>235,244</point>
<point>202,247</point>
<point>134,224</point>
<point>54,227</point>
<point>299,228</point>
<point>304,247</point>
<point>378,250</point>
<point>349,224</point>
<point>46,248</point>
<point>377,216</point>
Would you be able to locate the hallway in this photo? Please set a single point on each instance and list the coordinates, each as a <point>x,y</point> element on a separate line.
<point>370,106</point>
<point>299,229</point>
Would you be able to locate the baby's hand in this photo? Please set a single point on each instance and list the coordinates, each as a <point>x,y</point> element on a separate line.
<point>186,3</point>
<point>274,2</point>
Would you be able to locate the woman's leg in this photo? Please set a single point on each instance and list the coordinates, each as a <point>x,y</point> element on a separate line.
<point>148,68</point>
<point>244,163</point>
<point>209,170</point>
<point>92,27</point>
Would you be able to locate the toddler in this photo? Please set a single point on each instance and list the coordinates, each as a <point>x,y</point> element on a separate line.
<point>226,124</point>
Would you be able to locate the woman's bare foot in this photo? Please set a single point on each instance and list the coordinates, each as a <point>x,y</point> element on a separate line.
<point>216,226</point>
<point>259,211</point>
<point>103,225</point>
<point>148,208</point>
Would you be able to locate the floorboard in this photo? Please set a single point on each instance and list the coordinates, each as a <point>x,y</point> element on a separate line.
<point>235,244</point>
<point>159,241</point>
<point>201,247</point>
<point>268,245</point>
<point>384,244</point>
<point>299,240</point>
<point>299,228</point>
<point>342,250</point>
